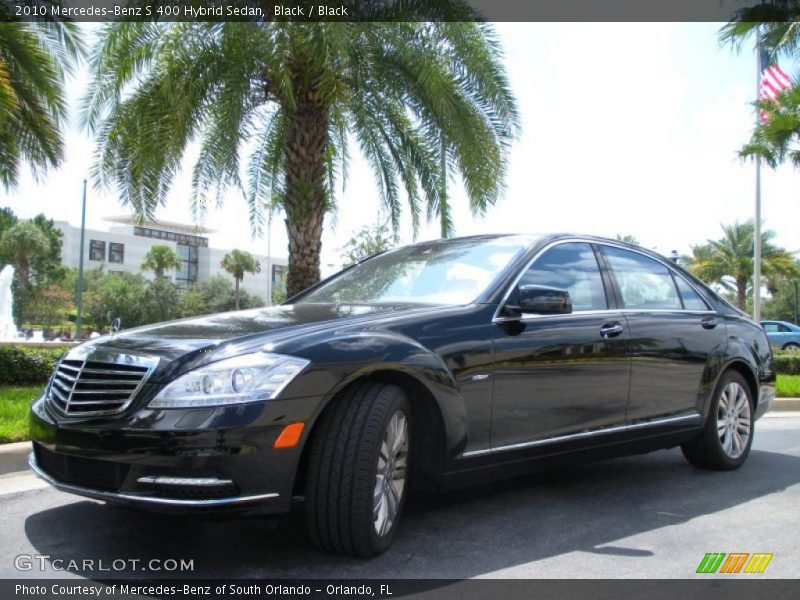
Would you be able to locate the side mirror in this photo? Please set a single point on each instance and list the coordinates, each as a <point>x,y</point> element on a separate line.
<point>543,300</point>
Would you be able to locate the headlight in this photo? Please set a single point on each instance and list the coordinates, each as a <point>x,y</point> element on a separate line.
<point>247,378</point>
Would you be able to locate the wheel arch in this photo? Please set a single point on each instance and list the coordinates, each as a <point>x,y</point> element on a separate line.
<point>429,433</point>
<point>745,370</point>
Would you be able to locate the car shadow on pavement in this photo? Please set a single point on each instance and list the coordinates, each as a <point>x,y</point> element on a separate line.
<point>457,535</point>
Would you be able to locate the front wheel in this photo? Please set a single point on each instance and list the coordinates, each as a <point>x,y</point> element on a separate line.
<point>728,434</point>
<point>358,470</point>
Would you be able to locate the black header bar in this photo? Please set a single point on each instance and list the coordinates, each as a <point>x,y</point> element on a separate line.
<point>372,10</point>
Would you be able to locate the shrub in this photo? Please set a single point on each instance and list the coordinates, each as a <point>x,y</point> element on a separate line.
<point>20,365</point>
<point>788,364</point>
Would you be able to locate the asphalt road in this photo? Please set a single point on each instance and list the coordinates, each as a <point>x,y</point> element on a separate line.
<point>643,517</point>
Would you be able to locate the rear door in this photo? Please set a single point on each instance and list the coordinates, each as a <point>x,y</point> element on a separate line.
<point>673,335</point>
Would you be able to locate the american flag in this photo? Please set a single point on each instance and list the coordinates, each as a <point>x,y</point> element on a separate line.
<point>773,82</point>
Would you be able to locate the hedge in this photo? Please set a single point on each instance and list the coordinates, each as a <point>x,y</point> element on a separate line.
<point>27,366</point>
<point>788,364</point>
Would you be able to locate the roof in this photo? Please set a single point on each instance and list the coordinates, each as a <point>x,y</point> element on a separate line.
<point>163,225</point>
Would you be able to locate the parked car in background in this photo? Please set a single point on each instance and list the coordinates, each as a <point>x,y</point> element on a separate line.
<point>782,334</point>
<point>431,366</point>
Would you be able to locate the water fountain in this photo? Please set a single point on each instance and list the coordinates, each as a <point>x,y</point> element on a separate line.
<point>8,331</point>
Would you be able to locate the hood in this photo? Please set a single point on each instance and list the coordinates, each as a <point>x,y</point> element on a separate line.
<point>173,339</point>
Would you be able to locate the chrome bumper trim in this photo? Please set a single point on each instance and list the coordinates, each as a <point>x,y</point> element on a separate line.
<point>116,496</point>
<point>184,481</point>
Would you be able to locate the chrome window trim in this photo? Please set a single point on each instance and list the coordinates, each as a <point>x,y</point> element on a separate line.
<point>117,496</point>
<point>694,416</point>
<point>528,317</point>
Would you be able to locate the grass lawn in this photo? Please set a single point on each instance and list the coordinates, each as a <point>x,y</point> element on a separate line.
<point>788,386</point>
<point>14,404</point>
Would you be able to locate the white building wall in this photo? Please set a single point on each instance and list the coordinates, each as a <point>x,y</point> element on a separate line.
<point>136,247</point>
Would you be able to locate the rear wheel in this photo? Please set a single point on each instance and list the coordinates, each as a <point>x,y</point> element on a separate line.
<point>791,347</point>
<point>358,470</point>
<point>728,433</point>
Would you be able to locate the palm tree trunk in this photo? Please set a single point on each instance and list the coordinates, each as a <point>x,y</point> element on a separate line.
<point>236,293</point>
<point>305,201</point>
<point>741,294</point>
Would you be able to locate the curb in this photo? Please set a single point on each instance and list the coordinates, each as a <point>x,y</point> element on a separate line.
<point>14,457</point>
<point>782,404</point>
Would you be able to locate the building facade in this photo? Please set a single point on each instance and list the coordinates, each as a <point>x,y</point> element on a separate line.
<point>124,246</point>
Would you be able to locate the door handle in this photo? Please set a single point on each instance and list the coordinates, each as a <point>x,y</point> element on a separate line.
<point>709,323</point>
<point>610,330</point>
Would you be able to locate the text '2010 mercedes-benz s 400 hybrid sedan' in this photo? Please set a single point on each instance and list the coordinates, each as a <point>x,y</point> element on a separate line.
<point>427,367</point>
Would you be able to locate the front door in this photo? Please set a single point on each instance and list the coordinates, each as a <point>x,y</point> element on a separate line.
<point>557,375</point>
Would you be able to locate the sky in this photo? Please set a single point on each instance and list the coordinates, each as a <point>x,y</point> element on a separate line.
<point>627,128</point>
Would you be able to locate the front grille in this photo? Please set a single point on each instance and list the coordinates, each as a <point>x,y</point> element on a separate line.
<point>91,387</point>
<point>83,472</point>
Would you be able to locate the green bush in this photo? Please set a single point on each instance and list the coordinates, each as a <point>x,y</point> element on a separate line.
<point>788,364</point>
<point>27,366</point>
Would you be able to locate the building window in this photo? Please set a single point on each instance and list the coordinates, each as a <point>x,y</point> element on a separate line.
<point>186,274</point>
<point>180,238</point>
<point>97,250</point>
<point>278,283</point>
<point>116,253</point>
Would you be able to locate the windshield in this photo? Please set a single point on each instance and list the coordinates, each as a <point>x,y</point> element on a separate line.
<point>450,272</point>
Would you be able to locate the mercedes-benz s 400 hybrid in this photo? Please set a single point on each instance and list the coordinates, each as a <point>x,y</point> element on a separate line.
<point>428,367</point>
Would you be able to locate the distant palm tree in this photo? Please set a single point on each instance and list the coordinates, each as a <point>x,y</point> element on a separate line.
<point>628,239</point>
<point>729,260</point>
<point>237,263</point>
<point>160,259</point>
<point>411,94</point>
<point>34,58</point>
<point>22,245</point>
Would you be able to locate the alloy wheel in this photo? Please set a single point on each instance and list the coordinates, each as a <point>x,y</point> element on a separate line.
<point>390,479</point>
<point>733,420</point>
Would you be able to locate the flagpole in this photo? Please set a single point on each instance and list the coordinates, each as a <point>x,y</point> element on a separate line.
<point>79,286</point>
<point>757,224</point>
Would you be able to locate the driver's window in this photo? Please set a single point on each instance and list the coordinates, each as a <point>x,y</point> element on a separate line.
<point>573,267</point>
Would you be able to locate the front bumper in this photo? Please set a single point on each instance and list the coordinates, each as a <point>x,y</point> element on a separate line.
<point>193,460</point>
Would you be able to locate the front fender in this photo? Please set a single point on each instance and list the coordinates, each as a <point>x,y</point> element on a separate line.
<point>360,355</point>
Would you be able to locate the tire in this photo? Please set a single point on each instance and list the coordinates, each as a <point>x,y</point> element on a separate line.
<point>716,447</point>
<point>791,347</point>
<point>348,465</point>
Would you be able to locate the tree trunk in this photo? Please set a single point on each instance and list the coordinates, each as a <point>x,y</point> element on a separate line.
<point>236,292</point>
<point>305,201</point>
<point>741,294</point>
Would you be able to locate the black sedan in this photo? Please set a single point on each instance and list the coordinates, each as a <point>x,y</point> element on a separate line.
<point>431,366</point>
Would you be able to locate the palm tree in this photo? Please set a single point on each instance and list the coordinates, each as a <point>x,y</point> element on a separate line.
<point>729,260</point>
<point>160,259</point>
<point>777,24</point>
<point>294,97</point>
<point>22,245</point>
<point>237,263</point>
<point>34,58</point>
